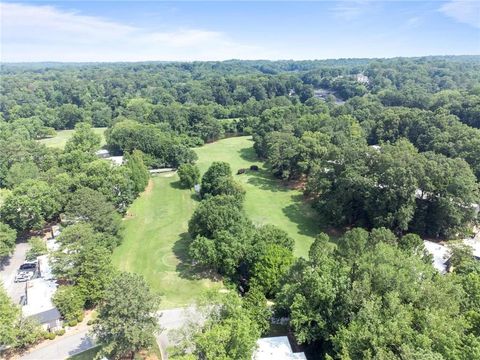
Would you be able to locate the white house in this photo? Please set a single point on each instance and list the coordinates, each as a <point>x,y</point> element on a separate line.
<point>38,297</point>
<point>276,348</point>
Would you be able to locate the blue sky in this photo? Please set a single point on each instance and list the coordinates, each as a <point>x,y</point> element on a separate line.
<point>154,30</point>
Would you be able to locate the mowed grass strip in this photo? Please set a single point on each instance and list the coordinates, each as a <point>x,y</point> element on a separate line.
<point>59,140</point>
<point>154,243</point>
<point>155,234</point>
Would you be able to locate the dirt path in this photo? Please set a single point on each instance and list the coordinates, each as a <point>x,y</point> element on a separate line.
<point>149,187</point>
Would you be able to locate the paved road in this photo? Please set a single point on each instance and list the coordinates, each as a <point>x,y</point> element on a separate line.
<point>66,346</point>
<point>8,270</point>
<point>62,348</point>
<point>174,319</point>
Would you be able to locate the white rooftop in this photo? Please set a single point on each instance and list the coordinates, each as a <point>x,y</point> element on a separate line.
<point>440,254</point>
<point>117,160</point>
<point>102,152</point>
<point>277,348</point>
<point>44,267</point>
<point>474,243</point>
<point>39,296</point>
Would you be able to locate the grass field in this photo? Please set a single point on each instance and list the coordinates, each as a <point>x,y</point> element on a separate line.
<point>154,241</point>
<point>62,136</point>
<point>156,228</point>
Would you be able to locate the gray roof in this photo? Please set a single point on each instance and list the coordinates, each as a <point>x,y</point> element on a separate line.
<point>47,316</point>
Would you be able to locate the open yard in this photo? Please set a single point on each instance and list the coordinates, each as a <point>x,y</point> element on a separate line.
<point>62,136</point>
<point>156,227</point>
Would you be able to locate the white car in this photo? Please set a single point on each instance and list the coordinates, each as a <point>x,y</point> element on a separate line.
<point>23,276</point>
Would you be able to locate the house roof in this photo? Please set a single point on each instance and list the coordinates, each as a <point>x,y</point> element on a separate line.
<point>440,254</point>
<point>277,348</point>
<point>47,316</point>
<point>39,296</point>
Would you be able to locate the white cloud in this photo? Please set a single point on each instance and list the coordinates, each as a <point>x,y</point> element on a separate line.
<point>46,33</point>
<point>467,12</point>
<point>351,10</point>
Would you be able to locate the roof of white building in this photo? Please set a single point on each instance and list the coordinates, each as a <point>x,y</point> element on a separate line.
<point>39,296</point>
<point>277,348</point>
<point>474,243</point>
<point>440,254</point>
<point>117,160</point>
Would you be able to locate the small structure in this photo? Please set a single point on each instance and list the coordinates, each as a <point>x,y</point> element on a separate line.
<point>254,167</point>
<point>38,303</point>
<point>102,153</point>
<point>116,160</point>
<point>241,171</point>
<point>440,253</point>
<point>362,79</point>
<point>159,171</point>
<point>38,297</point>
<point>196,187</point>
<point>474,243</point>
<point>277,348</point>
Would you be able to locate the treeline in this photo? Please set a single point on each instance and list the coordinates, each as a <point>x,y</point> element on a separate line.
<point>60,96</point>
<point>367,165</point>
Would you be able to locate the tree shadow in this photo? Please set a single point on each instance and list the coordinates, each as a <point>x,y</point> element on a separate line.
<point>177,185</point>
<point>248,154</point>
<point>4,262</point>
<point>310,222</point>
<point>186,268</point>
<point>265,181</point>
<point>302,214</point>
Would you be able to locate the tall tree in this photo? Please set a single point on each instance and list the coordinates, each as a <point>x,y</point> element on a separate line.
<point>139,172</point>
<point>127,319</point>
<point>8,236</point>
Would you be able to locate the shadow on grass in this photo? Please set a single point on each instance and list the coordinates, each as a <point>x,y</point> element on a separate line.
<point>310,222</point>
<point>302,214</point>
<point>186,268</point>
<point>248,154</point>
<point>178,186</point>
<point>265,181</point>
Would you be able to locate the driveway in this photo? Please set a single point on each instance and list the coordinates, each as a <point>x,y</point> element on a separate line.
<point>174,319</point>
<point>62,348</point>
<point>68,345</point>
<point>8,270</point>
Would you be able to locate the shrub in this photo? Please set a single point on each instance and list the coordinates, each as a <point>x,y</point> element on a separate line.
<point>72,323</point>
<point>189,175</point>
<point>49,335</point>
<point>60,332</point>
<point>37,247</point>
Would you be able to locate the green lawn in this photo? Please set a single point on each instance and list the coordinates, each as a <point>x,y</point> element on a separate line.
<point>62,136</point>
<point>154,242</point>
<point>156,228</point>
<point>86,355</point>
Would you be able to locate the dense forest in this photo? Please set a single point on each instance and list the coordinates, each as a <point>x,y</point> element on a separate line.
<point>386,150</point>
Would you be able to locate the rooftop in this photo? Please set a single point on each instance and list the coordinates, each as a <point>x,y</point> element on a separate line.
<point>277,348</point>
<point>440,254</point>
<point>39,296</point>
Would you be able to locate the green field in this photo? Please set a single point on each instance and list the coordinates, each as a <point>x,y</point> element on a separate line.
<point>62,136</point>
<point>156,228</point>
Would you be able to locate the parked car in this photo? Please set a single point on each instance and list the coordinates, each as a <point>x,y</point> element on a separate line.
<point>29,265</point>
<point>23,276</point>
